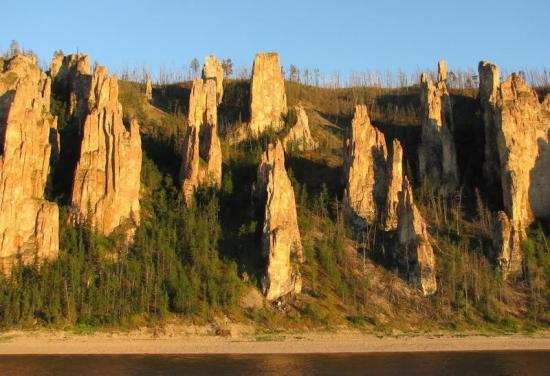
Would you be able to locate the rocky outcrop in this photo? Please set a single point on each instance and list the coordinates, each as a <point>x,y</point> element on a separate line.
<point>71,81</point>
<point>212,69</point>
<point>281,242</point>
<point>299,136</point>
<point>394,182</point>
<point>29,224</point>
<point>365,158</point>
<point>517,156</point>
<point>107,178</point>
<point>415,252</point>
<point>202,156</point>
<point>436,153</point>
<point>267,94</point>
<point>148,89</point>
<point>489,85</point>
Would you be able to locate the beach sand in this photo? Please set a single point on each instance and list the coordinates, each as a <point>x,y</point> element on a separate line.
<point>181,342</point>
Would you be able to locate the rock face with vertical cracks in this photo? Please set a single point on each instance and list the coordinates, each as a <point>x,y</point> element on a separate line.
<point>517,130</point>
<point>299,136</point>
<point>71,77</point>
<point>436,152</point>
<point>202,156</point>
<point>365,157</point>
<point>107,177</point>
<point>416,254</point>
<point>394,181</point>
<point>212,69</point>
<point>267,94</point>
<point>281,242</point>
<point>29,224</point>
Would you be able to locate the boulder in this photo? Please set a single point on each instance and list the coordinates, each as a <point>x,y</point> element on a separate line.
<point>436,152</point>
<point>299,135</point>
<point>267,94</point>
<point>29,224</point>
<point>281,242</point>
<point>415,252</point>
<point>107,177</point>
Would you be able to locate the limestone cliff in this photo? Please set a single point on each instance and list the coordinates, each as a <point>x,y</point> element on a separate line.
<point>71,81</point>
<point>416,254</point>
<point>202,156</point>
<point>299,136</point>
<point>212,69</point>
<point>29,224</point>
<point>281,242</point>
<point>365,156</point>
<point>436,153</point>
<point>267,94</point>
<point>394,182</point>
<point>107,178</point>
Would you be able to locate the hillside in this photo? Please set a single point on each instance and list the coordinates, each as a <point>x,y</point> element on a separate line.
<point>197,263</point>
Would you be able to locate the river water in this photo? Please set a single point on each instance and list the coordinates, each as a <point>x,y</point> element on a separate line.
<point>440,363</point>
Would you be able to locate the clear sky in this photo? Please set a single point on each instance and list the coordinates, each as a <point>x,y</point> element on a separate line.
<point>341,35</point>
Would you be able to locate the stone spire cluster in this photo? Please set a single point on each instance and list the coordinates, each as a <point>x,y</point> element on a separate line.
<point>281,242</point>
<point>107,177</point>
<point>202,156</point>
<point>377,192</point>
<point>517,156</point>
<point>372,178</point>
<point>29,223</point>
<point>437,152</point>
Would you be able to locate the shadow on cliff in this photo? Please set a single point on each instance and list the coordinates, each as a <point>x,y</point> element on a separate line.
<point>539,189</point>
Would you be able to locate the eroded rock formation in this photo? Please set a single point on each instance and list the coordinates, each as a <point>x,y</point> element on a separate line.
<point>299,136</point>
<point>107,178</point>
<point>281,242</point>
<point>212,69</point>
<point>436,153</point>
<point>416,254</point>
<point>517,129</point>
<point>267,94</point>
<point>71,81</point>
<point>29,224</point>
<point>148,89</point>
<point>202,157</point>
<point>365,158</point>
<point>394,182</point>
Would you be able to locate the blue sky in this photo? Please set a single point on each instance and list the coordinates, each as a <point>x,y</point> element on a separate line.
<point>342,35</point>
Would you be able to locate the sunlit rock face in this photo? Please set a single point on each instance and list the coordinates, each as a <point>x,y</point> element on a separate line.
<point>29,224</point>
<point>416,254</point>
<point>71,78</point>
<point>517,130</point>
<point>281,242</point>
<point>148,89</point>
<point>202,156</point>
<point>365,165</point>
<point>107,177</point>
<point>436,152</point>
<point>267,94</point>
<point>212,69</point>
<point>299,136</point>
<point>394,182</point>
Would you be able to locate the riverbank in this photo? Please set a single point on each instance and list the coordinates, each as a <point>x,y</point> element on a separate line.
<point>152,342</point>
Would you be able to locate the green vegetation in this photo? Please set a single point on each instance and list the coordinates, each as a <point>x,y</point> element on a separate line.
<point>196,263</point>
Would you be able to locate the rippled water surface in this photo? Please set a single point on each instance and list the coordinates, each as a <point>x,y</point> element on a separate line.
<point>457,363</point>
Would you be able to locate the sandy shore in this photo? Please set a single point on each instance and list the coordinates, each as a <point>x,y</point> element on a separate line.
<point>145,342</point>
